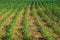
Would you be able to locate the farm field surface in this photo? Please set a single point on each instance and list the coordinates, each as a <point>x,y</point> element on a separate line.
<point>29,19</point>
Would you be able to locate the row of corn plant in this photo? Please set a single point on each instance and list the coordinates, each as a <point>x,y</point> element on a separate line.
<point>48,20</point>
<point>7,17</point>
<point>53,16</point>
<point>40,24</point>
<point>48,11</point>
<point>12,25</point>
<point>56,9</point>
<point>25,24</point>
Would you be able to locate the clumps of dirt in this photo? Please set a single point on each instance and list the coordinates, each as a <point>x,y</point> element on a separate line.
<point>30,8</point>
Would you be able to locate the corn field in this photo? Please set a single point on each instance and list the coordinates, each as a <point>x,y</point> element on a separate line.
<point>29,19</point>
